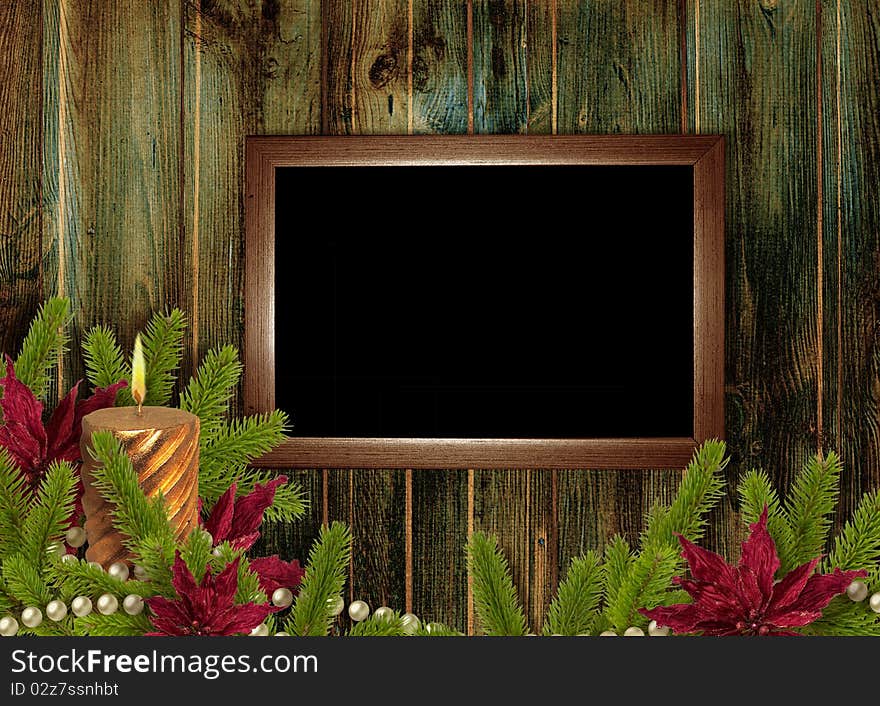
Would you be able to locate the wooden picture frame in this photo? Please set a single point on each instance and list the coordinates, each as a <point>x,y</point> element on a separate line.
<point>705,153</point>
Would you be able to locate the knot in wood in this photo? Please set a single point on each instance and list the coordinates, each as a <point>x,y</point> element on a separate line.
<point>768,5</point>
<point>383,70</point>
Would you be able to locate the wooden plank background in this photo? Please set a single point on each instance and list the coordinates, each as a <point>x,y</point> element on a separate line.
<point>121,187</point>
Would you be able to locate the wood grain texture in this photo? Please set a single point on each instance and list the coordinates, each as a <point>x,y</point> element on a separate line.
<point>501,102</point>
<point>113,241</point>
<point>619,67</point>
<point>439,535</point>
<point>440,66</point>
<point>851,99</point>
<point>757,85</point>
<point>20,170</point>
<point>541,66</point>
<point>367,67</point>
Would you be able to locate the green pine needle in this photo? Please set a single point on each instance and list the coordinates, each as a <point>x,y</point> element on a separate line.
<point>382,626</point>
<point>208,393</point>
<point>13,505</point>
<point>163,349</point>
<point>644,586</point>
<point>105,362</point>
<point>155,555</point>
<point>47,519</point>
<point>196,553</point>
<point>324,580</point>
<point>120,624</point>
<point>858,544</point>
<point>24,581</point>
<point>436,630</point>
<point>618,561</point>
<point>44,342</point>
<point>808,509</point>
<point>575,608</point>
<point>79,578</point>
<point>249,590</point>
<point>755,493</point>
<point>495,598</point>
<point>238,442</point>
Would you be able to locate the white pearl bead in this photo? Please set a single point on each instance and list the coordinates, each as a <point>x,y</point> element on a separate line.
<point>281,634</point>
<point>875,602</point>
<point>75,537</point>
<point>81,606</point>
<point>119,570</point>
<point>140,573</point>
<point>608,633</point>
<point>209,540</point>
<point>282,597</point>
<point>108,604</point>
<point>383,613</point>
<point>410,624</point>
<point>216,551</point>
<point>31,616</point>
<point>56,610</point>
<point>133,605</point>
<point>335,605</point>
<point>262,630</point>
<point>69,558</point>
<point>634,632</point>
<point>656,631</point>
<point>96,565</point>
<point>857,591</point>
<point>8,626</point>
<point>358,611</point>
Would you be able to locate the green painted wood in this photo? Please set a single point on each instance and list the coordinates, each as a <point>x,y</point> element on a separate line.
<point>367,66</point>
<point>20,167</point>
<point>541,55</point>
<point>851,160</point>
<point>500,66</point>
<point>755,75</point>
<point>439,536</point>
<point>113,241</point>
<point>440,66</point>
<point>619,67</point>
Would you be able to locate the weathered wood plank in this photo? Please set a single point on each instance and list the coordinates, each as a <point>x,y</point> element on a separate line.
<point>619,67</point>
<point>618,70</point>
<point>851,234</point>
<point>755,82</point>
<point>367,67</point>
<point>439,67</point>
<point>439,535</point>
<point>500,73</point>
<point>20,171</point>
<point>542,69</point>
<point>113,141</point>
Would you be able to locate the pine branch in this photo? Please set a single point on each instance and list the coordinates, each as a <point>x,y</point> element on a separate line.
<point>163,349</point>
<point>323,582</point>
<point>155,555</point>
<point>24,582</point>
<point>47,519</point>
<point>436,630</point>
<point>78,578</point>
<point>379,627</point>
<point>618,561</point>
<point>844,618</point>
<point>858,544</point>
<point>207,394</point>
<point>249,590</point>
<point>238,442</point>
<point>13,505</point>
<point>495,596</point>
<point>755,493</point>
<point>134,515</point>
<point>45,340</point>
<point>809,505</point>
<point>644,586</point>
<point>575,607</point>
<point>700,489</point>
<point>196,553</point>
<point>120,624</point>
<point>105,362</point>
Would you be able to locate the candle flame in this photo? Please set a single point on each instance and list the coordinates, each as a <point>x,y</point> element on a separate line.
<point>138,374</point>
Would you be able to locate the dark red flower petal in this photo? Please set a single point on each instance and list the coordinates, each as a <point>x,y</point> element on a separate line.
<point>102,397</point>
<point>759,555</point>
<point>708,566</point>
<point>22,433</point>
<point>275,573</point>
<point>246,617</point>
<point>250,508</point>
<point>789,589</point>
<point>682,618</point>
<point>181,577</point>
<point>226,584</point>
<point>219,522</point>
<point>817,593</point>
<point>60,428</point>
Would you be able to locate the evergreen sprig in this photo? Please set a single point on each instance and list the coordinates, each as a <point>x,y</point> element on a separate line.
<point>13,505</point>
<point>163,350</point>
<point>324,579</point>
<point>44,342</point>
<point>119,624</point>
<point>495,598</point>
<point>79,578</point>
<point>105,363</point>
<point>46,521</point>
<point>574,609</point>
<point>207,394</point>
<point>858,544</point>
<point>24,581</point>
<point>381,626</point>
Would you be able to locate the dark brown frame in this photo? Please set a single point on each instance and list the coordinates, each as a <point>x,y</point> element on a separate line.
<point>704,152</point>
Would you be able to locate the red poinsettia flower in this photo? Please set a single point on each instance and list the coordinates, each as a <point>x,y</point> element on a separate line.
<point>275,573</point>
<point>207,608</point>
<point>744,599</point>
<point>33,446</point>
<point>238,521</point>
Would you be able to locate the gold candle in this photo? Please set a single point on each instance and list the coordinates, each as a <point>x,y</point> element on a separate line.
<point>163,444</point>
